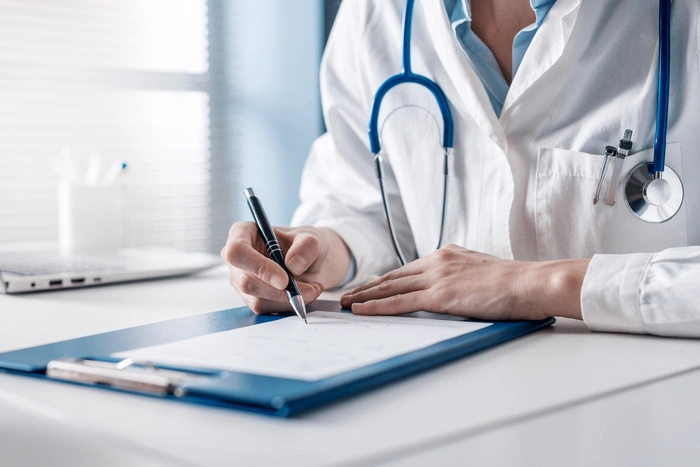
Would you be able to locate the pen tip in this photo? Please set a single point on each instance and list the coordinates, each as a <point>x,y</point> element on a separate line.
<point>298,305</point>
<point>305,322</point>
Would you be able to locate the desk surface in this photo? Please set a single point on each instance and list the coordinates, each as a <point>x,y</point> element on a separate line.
<point>654,424</point>
<point>556,372</point>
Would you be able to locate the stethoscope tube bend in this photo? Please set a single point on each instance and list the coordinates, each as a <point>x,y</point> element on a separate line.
<point>405,77</point>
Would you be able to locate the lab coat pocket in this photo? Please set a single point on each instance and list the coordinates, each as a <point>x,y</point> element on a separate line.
<point>569,225</point>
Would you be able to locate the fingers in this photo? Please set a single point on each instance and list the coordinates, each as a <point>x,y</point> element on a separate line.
<point>258,279</point>
<point>302,253</point>
<point>240,254</point>
<point>392,305</point>
<point>384,288</point>
<point>261,297</point>
<point>411,269</point>
<point>263,306</point>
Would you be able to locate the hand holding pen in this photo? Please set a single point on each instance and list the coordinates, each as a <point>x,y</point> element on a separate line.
<point>273,247</point>
<point>316,257</point>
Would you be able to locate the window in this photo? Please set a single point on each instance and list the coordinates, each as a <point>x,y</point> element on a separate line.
<point>135,80</point>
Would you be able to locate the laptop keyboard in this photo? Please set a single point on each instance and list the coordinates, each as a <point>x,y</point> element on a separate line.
<point>27,264</point>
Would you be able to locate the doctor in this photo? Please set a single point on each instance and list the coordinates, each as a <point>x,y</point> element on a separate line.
<point>537,89</point>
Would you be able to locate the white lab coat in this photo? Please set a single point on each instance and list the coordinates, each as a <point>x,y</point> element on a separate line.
<point>521,186</point>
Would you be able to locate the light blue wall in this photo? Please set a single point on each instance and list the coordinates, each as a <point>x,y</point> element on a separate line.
<point>277,98</point>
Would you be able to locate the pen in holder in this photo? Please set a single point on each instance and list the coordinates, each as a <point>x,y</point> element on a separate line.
<point>90,217</point>
<point>90,204</point>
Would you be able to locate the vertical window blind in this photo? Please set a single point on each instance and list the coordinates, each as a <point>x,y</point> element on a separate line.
<point>143,81</point>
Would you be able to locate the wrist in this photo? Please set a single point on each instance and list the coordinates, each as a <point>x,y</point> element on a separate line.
<point>555,287</point>
<point>336,258</point>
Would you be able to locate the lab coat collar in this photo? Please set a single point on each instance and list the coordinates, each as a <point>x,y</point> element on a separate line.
<point>545,49</point>
<point>464,79</point>
<point>465,14</point>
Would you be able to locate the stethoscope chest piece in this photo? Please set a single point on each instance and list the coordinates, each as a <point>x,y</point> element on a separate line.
<point>653,199</point>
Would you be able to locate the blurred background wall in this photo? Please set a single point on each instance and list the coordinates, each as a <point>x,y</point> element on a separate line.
<point>277,97</point>
<point>200,97</point>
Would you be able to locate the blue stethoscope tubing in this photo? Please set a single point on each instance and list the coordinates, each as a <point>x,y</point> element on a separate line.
<point>407,75</point>
<point>663,85</point>
<point>654,191</point>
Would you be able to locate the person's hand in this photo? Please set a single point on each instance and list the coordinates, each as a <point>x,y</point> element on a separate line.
<point>475,285</point>
<point>315,256</point>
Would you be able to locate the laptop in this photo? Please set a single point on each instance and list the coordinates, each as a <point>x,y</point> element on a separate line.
<point>33,271</point>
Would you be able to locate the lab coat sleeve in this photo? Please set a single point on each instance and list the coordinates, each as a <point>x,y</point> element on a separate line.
<point>338,187</point>
<point>654,293</point>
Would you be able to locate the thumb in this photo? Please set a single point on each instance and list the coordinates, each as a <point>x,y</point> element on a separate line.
<point>303,252</point>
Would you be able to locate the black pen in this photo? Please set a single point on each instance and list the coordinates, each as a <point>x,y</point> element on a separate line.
<point>273,247</point>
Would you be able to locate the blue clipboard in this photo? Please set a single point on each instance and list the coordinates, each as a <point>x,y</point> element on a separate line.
<point>281,397</point>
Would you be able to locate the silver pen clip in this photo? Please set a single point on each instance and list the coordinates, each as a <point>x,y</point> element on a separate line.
<point>610,152</point>
<point>623,151</point>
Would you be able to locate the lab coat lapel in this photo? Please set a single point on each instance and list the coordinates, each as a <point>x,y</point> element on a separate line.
<point>545,50</point>
<point>465,81</point>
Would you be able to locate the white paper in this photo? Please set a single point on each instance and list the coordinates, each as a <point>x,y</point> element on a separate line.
<point>330,344</point>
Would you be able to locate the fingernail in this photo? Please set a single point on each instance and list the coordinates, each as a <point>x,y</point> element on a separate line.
<point>296,265</point>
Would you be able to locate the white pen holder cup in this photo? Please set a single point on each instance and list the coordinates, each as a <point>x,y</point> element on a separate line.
<point>90,218</point>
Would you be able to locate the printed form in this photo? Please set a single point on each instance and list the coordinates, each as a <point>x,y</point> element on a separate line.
<point>332,343</point>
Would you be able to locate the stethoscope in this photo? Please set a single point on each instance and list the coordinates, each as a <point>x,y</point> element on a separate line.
<point>649,195</point>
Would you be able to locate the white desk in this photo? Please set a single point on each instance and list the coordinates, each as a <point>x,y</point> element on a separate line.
<point>655,424</point>
<point>505,393</point>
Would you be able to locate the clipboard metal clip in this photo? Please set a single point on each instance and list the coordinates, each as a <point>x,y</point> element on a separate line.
<point>130,374</point>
